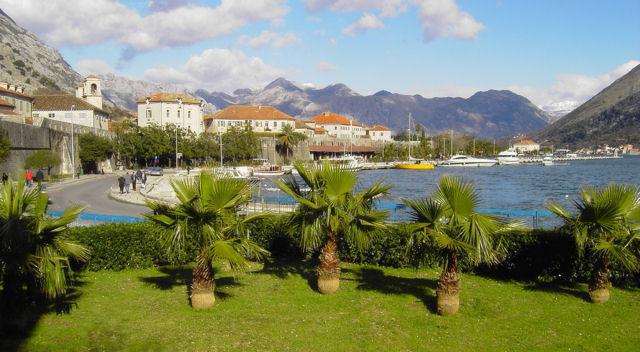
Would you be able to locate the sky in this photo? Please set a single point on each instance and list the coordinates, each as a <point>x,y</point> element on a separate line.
<point>551,51</point>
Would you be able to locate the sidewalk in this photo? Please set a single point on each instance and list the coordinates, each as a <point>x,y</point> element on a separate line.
<point>68,181</point>
<point>157,184</point>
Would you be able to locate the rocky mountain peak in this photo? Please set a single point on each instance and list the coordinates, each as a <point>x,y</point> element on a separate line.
<point>284,84</point>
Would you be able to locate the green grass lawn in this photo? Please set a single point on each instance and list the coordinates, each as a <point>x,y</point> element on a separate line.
<point>377,309</point>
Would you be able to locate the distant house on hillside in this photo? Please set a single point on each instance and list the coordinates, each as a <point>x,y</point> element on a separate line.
<point>379,133</point>
<point>261,118</point>
<point>177,109</point>
<point>14,103</point>
<point>337,125</point>
<point>526,146</point>
<point>70,109</point>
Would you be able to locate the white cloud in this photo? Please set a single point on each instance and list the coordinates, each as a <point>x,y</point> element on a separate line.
<point>165,5</point>
<point>573,88</point>
<point>267,38</point>
<point>326,66</point>
<point>363,24</point>
<point>443,18</point>
<point>386,8</point>
<point>332,42</point>
<point>81,22</point>
<point>217,69</point>
<point>439,18</point>
<point>93,66</point>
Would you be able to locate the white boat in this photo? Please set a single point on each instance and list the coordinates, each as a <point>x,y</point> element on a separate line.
<point>508,157</point>
<point>348,162</point>
<point>547,161</point>
<point>243,172</point>
<point>467,161</point>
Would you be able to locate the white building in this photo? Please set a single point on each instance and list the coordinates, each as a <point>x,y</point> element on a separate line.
<point>70,109</point>
<point>91,91</point>
<point>178,109</point>
<point>526,146</point>
<point>379,133</point>
<point>337,125</point>
<point>261,119</point>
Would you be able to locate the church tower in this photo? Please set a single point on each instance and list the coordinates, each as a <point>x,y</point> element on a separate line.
<point>91,91</point>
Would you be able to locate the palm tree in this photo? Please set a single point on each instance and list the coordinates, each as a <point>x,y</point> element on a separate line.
<point>207,214</point>
<point>33,255</point>
<point>606,224</point>
<point>449,219</point>
<point>329,213</point>
<point>289,138</point>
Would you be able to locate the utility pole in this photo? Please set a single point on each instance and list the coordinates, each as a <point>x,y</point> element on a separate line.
<point>220,143</point>
<point>451,141</point>
<point>474,147</point>
<point>176,127</point>
<point>73,148</point>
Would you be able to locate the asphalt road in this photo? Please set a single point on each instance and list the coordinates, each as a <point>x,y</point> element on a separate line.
<point>93,194</point>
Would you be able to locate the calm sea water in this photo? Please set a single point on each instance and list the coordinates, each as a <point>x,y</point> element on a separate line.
<point>512,188</point>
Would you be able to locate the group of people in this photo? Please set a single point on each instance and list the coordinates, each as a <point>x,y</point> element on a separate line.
<point>124,182</point>
<point>29,177</point>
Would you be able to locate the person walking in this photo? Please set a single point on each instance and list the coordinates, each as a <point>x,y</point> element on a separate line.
<point>121,184</point>
<point>127,182</point>
<point>144,180</point>
<point>39,178</point>
<point>29,177</point>
<point>133,181</point>
<point>5,178</point>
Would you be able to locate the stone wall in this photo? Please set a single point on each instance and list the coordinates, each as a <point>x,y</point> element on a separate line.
<point>268,151</point>
<point>50,135</point>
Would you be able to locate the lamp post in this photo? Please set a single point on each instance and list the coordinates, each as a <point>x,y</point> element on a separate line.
<point>220,143</point>
<point>73,148</point>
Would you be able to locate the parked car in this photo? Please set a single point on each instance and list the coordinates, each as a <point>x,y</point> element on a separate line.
<point>153,171</point>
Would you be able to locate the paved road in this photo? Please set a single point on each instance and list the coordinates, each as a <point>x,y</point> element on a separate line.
<point>93,195</point>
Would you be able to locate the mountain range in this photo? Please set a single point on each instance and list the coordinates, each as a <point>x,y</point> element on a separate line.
<point>610,117</point>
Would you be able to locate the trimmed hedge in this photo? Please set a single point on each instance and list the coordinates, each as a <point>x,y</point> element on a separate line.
<point>541,255</point>
<point>122,246</point>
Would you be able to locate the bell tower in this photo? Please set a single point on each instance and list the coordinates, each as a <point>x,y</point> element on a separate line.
<point>91,91</point>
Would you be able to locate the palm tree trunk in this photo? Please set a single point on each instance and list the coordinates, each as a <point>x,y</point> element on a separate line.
<point>600,283</point>
<point>329,269</point>
<point>448,289</point>
<point>203,285</point>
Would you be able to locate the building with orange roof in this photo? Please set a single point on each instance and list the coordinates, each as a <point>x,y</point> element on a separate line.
<point>165,108</point>
<point>14,102</point>
<point>261,118</point>
<point>526,146</point>
<point>379,133</point>
<point>337,125</point>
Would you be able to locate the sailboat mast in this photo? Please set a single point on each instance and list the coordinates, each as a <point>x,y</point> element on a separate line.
<point>410,137</point>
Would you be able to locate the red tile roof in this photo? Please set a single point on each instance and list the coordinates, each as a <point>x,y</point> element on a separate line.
<point>6,103</point>
<point>62,102</point>
<point>162,97</point>
<point>331,118</point>
<point>4,91</point>
<point>527,142</point>
<point>378,128</point>
<point>249,112</point>
<point>340,149</point>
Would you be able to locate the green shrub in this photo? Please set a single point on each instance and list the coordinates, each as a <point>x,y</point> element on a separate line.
<point>122,246</point>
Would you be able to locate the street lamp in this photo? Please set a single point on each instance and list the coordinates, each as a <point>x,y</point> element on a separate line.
<point>73,150</point>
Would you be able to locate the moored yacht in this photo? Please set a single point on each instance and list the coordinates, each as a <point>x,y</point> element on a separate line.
<point>467,161</point>
<point>348,162</point>
<point>508,157</point>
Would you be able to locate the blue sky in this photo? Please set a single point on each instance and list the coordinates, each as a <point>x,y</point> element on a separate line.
<point>549,51</point>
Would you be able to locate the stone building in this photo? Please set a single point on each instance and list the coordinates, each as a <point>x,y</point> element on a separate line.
<point>379,133</point>
<point>261,119</point>
<point>15,104</point>
<point>337,125</point>
<point>69,109</point>
<point>177,109</point>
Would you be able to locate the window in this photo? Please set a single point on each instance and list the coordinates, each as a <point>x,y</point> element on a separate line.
<point>35,115</point>
<point>275,123</point>
<point>189,114</point>
<point>178,113</point>
<point>148,114</point>
<point>167,113</point>
<point>52,115</point>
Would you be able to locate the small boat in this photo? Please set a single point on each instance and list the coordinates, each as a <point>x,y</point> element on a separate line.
<point>268,170</point>
<point>547,161</point>
<point>467,161</point>
<point>508,157</point>
<point>348,162</point>
<point>417,164</point>
<point>239,172</point>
